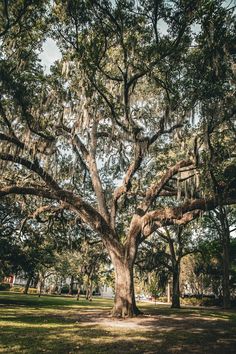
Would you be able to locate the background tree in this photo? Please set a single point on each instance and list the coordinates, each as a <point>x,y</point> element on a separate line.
<point>166,253</point>
<point>220,223</point>
<point>85,265</point>
<point>10,250</point>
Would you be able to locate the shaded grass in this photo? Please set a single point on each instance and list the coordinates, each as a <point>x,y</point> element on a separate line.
<point>29,324</point>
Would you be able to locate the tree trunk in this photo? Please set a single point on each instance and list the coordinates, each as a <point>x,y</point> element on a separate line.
<point>71,285</point>
<point>175,288</point>
<point>28,284</point>
<point>78,293</point>
<point>124,304</point>
<point>36,280</point>
<point>226,267</point>
<point>168,292</point>
<point>225,239</point>
<point>175,272</point>
<point>90,291</point>
<point>40,284</point>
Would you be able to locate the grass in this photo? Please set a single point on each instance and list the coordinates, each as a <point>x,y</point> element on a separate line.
<point>49,324</point>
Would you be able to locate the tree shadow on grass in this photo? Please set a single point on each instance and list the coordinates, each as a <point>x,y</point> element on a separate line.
<point>92,339</point>
<point>40,329</point>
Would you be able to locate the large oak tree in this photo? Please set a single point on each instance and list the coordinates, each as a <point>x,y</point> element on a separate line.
<point>110,134</point>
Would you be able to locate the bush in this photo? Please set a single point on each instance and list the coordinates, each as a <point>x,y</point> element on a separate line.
<point>233,302</point>
<point>65,289</point>
<point>4,287</point>
<point>191,301</point>
<point>20,289</point>
<point>162,298</point>
<point>205,301</point>
<point>211,302</point>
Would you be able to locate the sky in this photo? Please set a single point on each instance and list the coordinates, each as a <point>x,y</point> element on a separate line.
<point>49,54</point>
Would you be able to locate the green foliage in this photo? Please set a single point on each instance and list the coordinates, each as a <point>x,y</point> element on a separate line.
<point>153,288</point>
<point>4,287</point>
<point>204,301</point>
<point>20,289</point>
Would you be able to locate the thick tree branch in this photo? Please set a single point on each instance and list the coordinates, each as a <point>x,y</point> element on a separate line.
<point>89,162</point>
<point>88,214</point>
<point>126,185</point>
<point>33,166</point>
<point>179,215</point>
<point>154,191</point>
<point>96,180</point>
<point>22,190</point>
<point>12,139</point>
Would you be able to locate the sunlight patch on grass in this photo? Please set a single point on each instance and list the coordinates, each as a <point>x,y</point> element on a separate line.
<point>32,325</point>
<point>57,325</point>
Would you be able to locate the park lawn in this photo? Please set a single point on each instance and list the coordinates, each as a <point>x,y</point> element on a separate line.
<point>51,324</point>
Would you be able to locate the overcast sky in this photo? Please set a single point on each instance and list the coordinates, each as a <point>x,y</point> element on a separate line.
<point>49,54</point>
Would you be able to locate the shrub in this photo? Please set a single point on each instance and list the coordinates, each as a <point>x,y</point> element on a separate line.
<point>204,301</point>
<point>162,298</point>
<point>20,289</point>
<point>65,289</point>
<point>191,301</point>
<point>4,287</point>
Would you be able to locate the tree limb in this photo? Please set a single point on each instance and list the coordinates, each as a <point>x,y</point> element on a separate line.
<point>154,191</point>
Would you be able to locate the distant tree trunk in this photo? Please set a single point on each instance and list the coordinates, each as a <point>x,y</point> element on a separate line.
<point>71,285</point>
<point>226,271</point>
<point>27,285</point>
<point>225,239</point>
<point>36,280</point>
<point>78,293</point>
<point>90,291</point>
<point>40,284</point>
<point>175,287</point>
<point>168,291</point>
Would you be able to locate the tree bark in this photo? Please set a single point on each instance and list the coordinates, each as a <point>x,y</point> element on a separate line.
<point>36,280</point>
<point>175,271</point>
<point>226,271</point>
<point>78,293</point>
<point>124,304</point>
<point>225,239</point>
<point>175,288</point>
<point>71,285</point>
<point>27,285</point>
<point>89,290</point>
<point>40,287</point>
<point>168,292</point>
